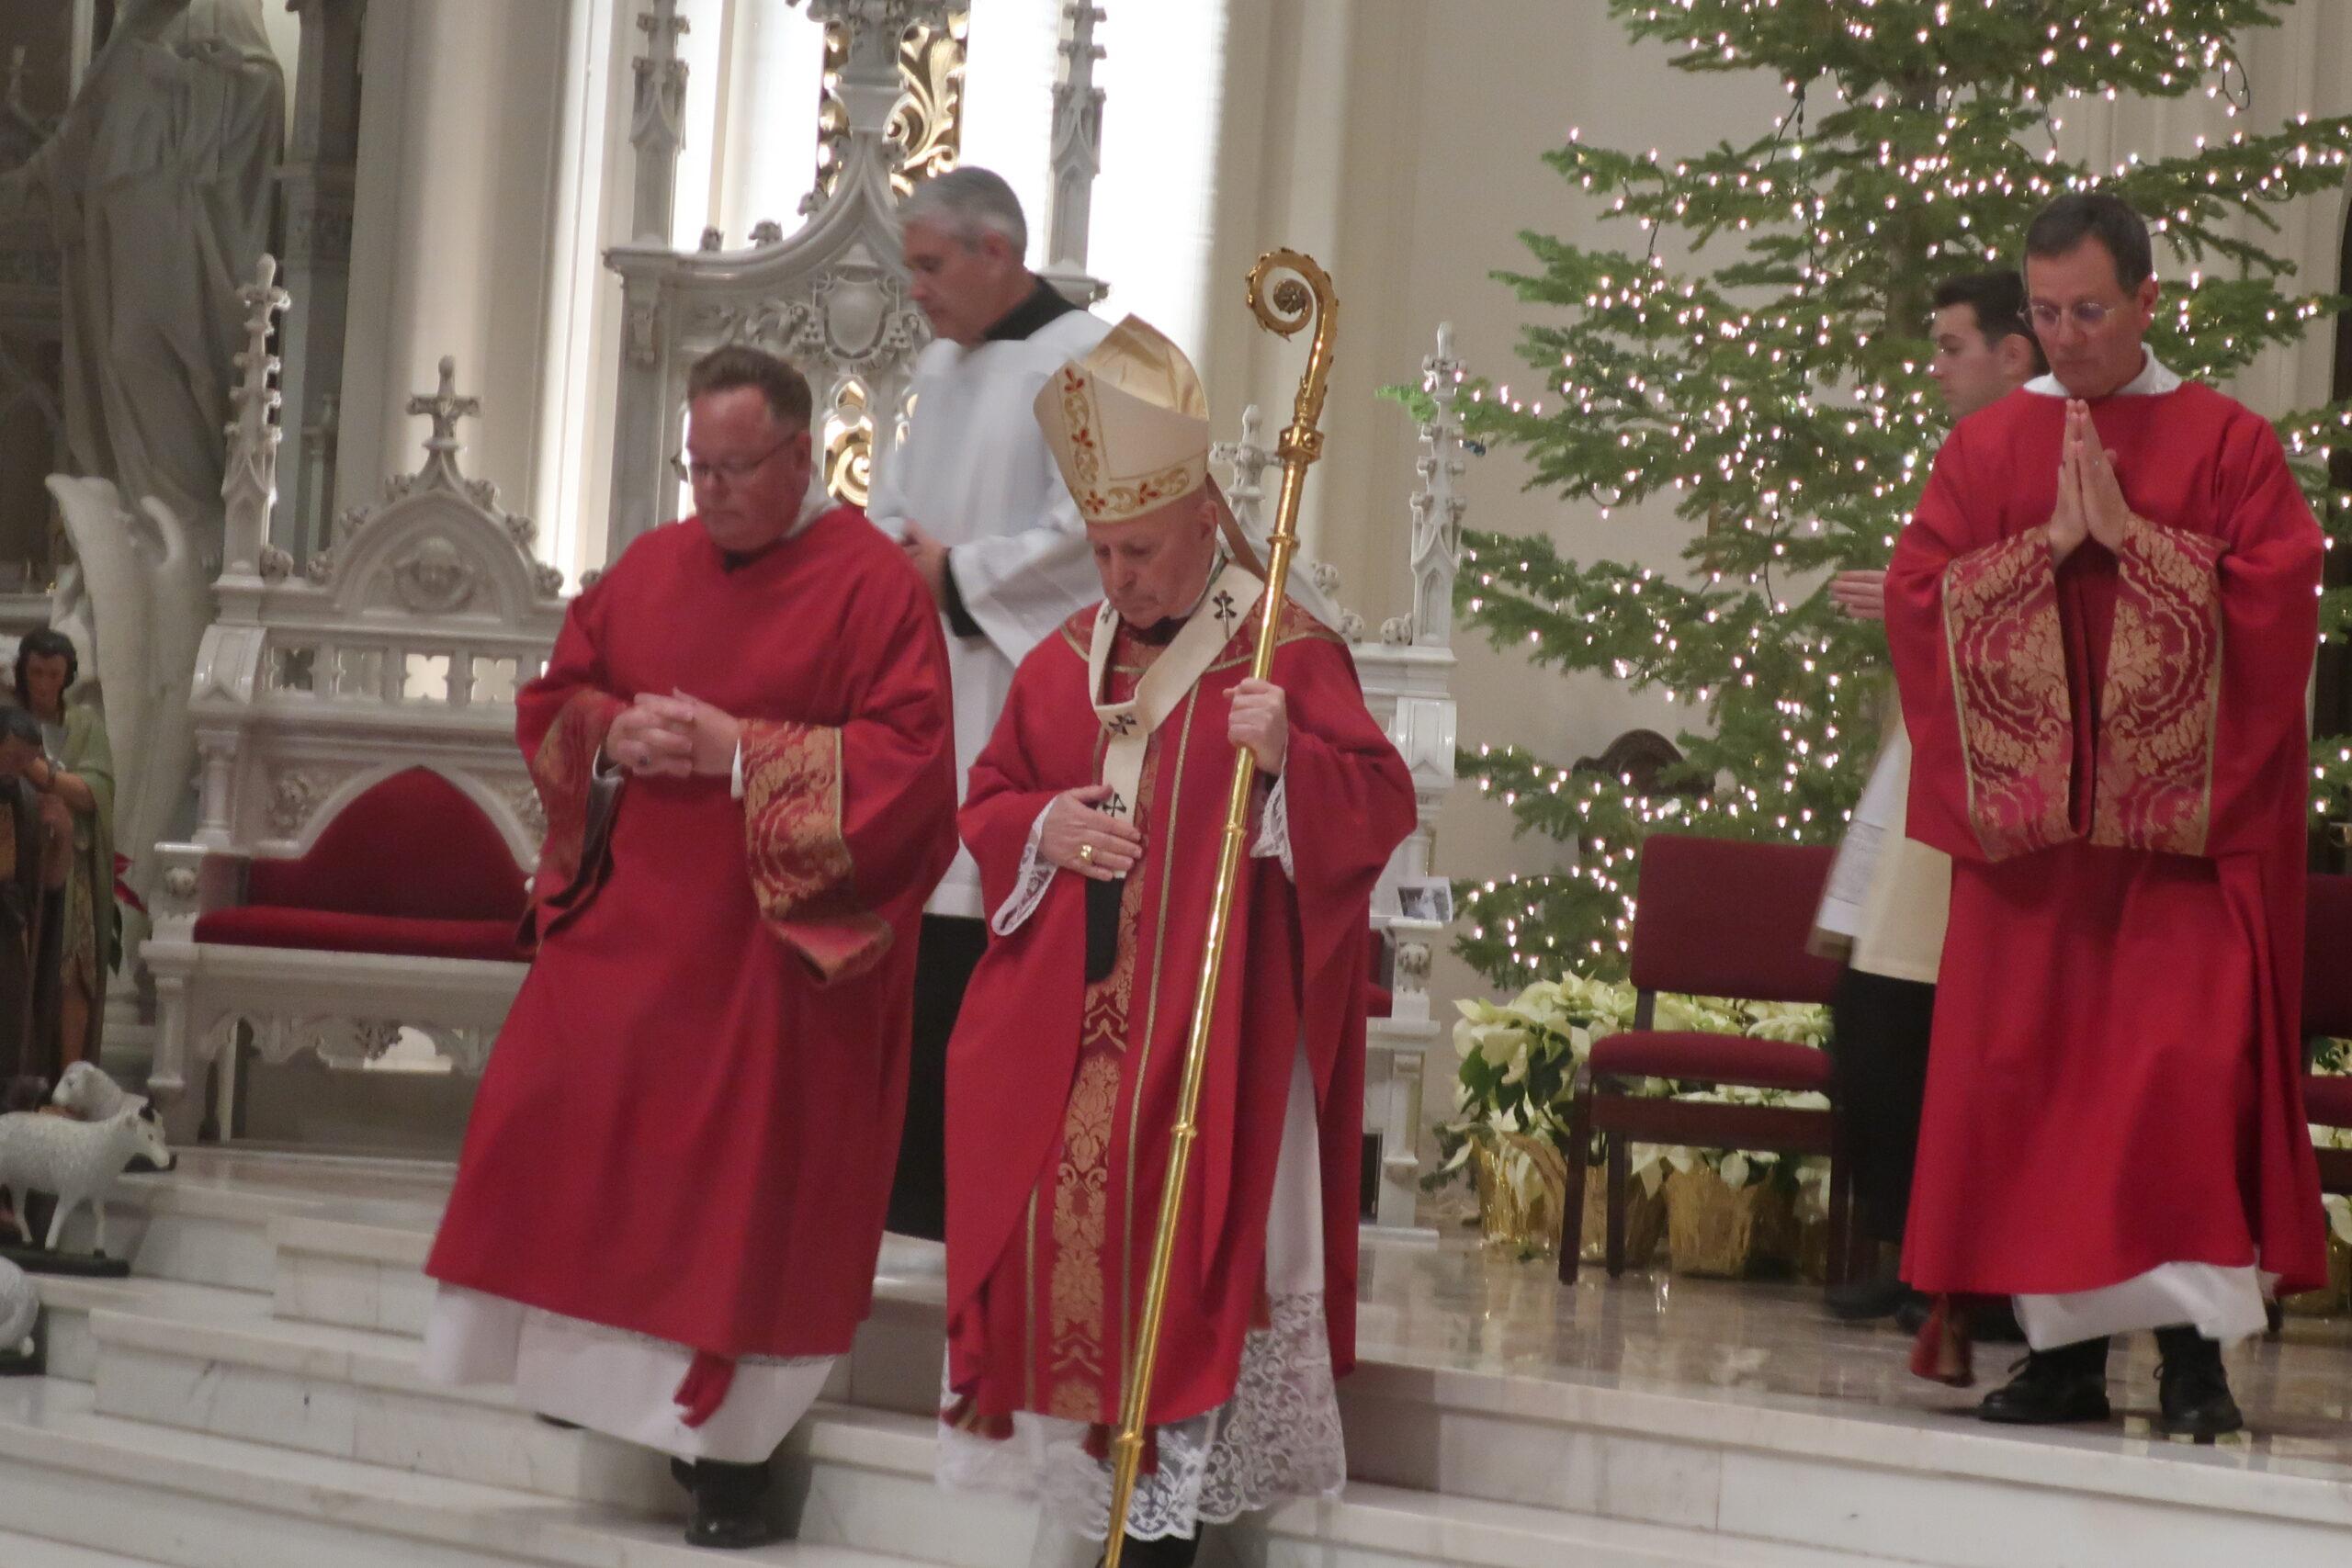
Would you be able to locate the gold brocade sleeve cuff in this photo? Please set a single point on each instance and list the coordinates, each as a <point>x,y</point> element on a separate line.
<point>563,771</point>
<point>2008,674</point>
<point>2154,755</point>
<point>798,849</point>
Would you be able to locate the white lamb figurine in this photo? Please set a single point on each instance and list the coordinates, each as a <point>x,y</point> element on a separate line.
<point>78,1161</point>
<point>86,1091</point>
<point>19,1310</point>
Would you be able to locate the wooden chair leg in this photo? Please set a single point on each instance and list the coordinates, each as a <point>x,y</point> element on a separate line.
<point>1841,1222</point>
<point>1620,1167</point>
<point>1572,1204</point>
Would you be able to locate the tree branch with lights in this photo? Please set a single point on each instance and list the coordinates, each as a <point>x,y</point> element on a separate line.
<point>1772,389</point>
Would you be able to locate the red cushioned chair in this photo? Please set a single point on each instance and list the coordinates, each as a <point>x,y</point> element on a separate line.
<point>1715,918</point>
<point>410,868</point>
<point>2327,1012</point>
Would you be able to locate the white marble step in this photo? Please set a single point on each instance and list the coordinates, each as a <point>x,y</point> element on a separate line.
<point>868,1480</point>
<point>153,1496</point>
<point>349,1394</point>
<point>31,1552</point>
<point>70,1300</point>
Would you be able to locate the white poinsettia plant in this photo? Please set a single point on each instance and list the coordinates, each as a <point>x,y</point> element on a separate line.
<point>1519,1061</point>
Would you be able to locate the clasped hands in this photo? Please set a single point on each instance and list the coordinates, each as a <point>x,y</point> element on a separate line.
<point>2090,500</point>
<point>1077,836</point>
<point>674,736</point>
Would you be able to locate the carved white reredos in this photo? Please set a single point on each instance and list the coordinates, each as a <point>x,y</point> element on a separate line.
<point>830,297</point>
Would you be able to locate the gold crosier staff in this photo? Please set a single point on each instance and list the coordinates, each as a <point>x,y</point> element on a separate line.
<point>1287,306</point>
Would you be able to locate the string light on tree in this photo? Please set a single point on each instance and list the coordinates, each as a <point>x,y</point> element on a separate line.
<point>1772,387</point>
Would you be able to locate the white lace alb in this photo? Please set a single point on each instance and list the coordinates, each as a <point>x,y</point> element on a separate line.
<point>1277,1438</point>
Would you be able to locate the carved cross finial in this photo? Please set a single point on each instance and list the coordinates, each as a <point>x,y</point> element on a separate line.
<point>249,478</point>
<point>444,408</point>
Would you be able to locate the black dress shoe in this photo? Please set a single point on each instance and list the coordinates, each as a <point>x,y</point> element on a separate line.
<point>2192,1391</point>
<point>2052,1388</point>
<point>730,1504</point>
<point>1168,1552</point>
<point>1858,1301</point>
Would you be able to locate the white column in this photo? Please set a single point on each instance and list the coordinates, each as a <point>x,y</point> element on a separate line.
<point>453,228</point>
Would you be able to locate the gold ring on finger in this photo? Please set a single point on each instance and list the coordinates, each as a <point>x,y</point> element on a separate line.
<point>1086,854</point>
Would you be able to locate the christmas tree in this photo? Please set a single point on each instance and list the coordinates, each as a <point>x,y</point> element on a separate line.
<point>1774,391</point>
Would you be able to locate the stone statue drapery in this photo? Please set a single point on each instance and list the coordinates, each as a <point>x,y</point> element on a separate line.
<point>158,186</point>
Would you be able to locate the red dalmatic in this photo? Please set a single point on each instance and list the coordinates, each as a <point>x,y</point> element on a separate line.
<point>1061,1092</point>
<point>2114,754</point>
<point>688,1125</point>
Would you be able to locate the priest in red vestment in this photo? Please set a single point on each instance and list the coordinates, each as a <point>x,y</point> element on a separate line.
<point>670,1203</point>
<point>2103,619</point>
<point>1095,815</point>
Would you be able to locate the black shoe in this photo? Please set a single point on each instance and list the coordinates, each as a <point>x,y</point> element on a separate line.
<point>2192,1391</point>
<point>1169,1552</point>
<point>2052,1388</point>
<point>730,1504</point>
<point>1858,1301</point>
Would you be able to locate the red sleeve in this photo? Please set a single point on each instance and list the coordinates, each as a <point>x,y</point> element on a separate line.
<point>561,719</point>
<point>2214,636</point>
<point>848,828</point>
<point>1980,655</point>
<point>1005,793</point>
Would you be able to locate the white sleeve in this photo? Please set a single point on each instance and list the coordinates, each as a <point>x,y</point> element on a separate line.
<point>1274,830</point>
<point>1020,585</point>
<point>1029,887</point>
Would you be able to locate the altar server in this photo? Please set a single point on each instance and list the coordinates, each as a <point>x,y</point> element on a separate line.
<point>2103,619</point>
<point>975,501</point>
<point>1888,893</point>
<point>1095,816</point>
<point>670,1203</point>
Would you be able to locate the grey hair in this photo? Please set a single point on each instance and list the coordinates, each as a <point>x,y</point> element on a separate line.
<point>966,202</point>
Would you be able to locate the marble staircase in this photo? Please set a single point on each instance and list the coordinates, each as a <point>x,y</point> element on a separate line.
<point>249,1400</point>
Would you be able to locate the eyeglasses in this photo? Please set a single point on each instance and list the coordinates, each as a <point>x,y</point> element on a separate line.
<point>734,472</point>
<point>2088,314</point>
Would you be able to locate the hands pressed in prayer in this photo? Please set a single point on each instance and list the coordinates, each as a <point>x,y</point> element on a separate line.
<point>2090,499</point>
<point>1092,843</point>
<point>1861,596</point>
<point>1261,721</point>
<point>2105,511</point>
<point>929,558</point>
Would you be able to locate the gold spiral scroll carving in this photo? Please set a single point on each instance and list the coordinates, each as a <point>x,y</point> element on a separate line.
<point>927,123</point>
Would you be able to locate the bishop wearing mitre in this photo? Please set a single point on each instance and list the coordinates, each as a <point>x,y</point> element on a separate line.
<point>1095,815</point>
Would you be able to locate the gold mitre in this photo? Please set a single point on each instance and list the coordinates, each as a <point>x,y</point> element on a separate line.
<point>1128,423</point>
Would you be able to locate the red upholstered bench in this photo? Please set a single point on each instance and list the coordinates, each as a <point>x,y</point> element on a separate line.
<point>410,868</point>
<point>1715,918</point>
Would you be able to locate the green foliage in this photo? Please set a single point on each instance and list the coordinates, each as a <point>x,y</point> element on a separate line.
<point>1774,391</point>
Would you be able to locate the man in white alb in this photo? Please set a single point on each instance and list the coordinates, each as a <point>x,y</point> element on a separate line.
<point>975,499</point>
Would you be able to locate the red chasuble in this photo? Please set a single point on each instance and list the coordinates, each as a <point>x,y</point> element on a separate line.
<point>2114,754</point>
<point>1060,1093</point>
<point>688,1125</point>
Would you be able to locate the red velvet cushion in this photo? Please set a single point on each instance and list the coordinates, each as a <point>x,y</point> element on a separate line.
<point>2327,938</point>
<point>412,847</point>
<point>1718,917</point>
<point>2328,1101</point>
<point>329,930</point>
<point>1712,1058</point>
